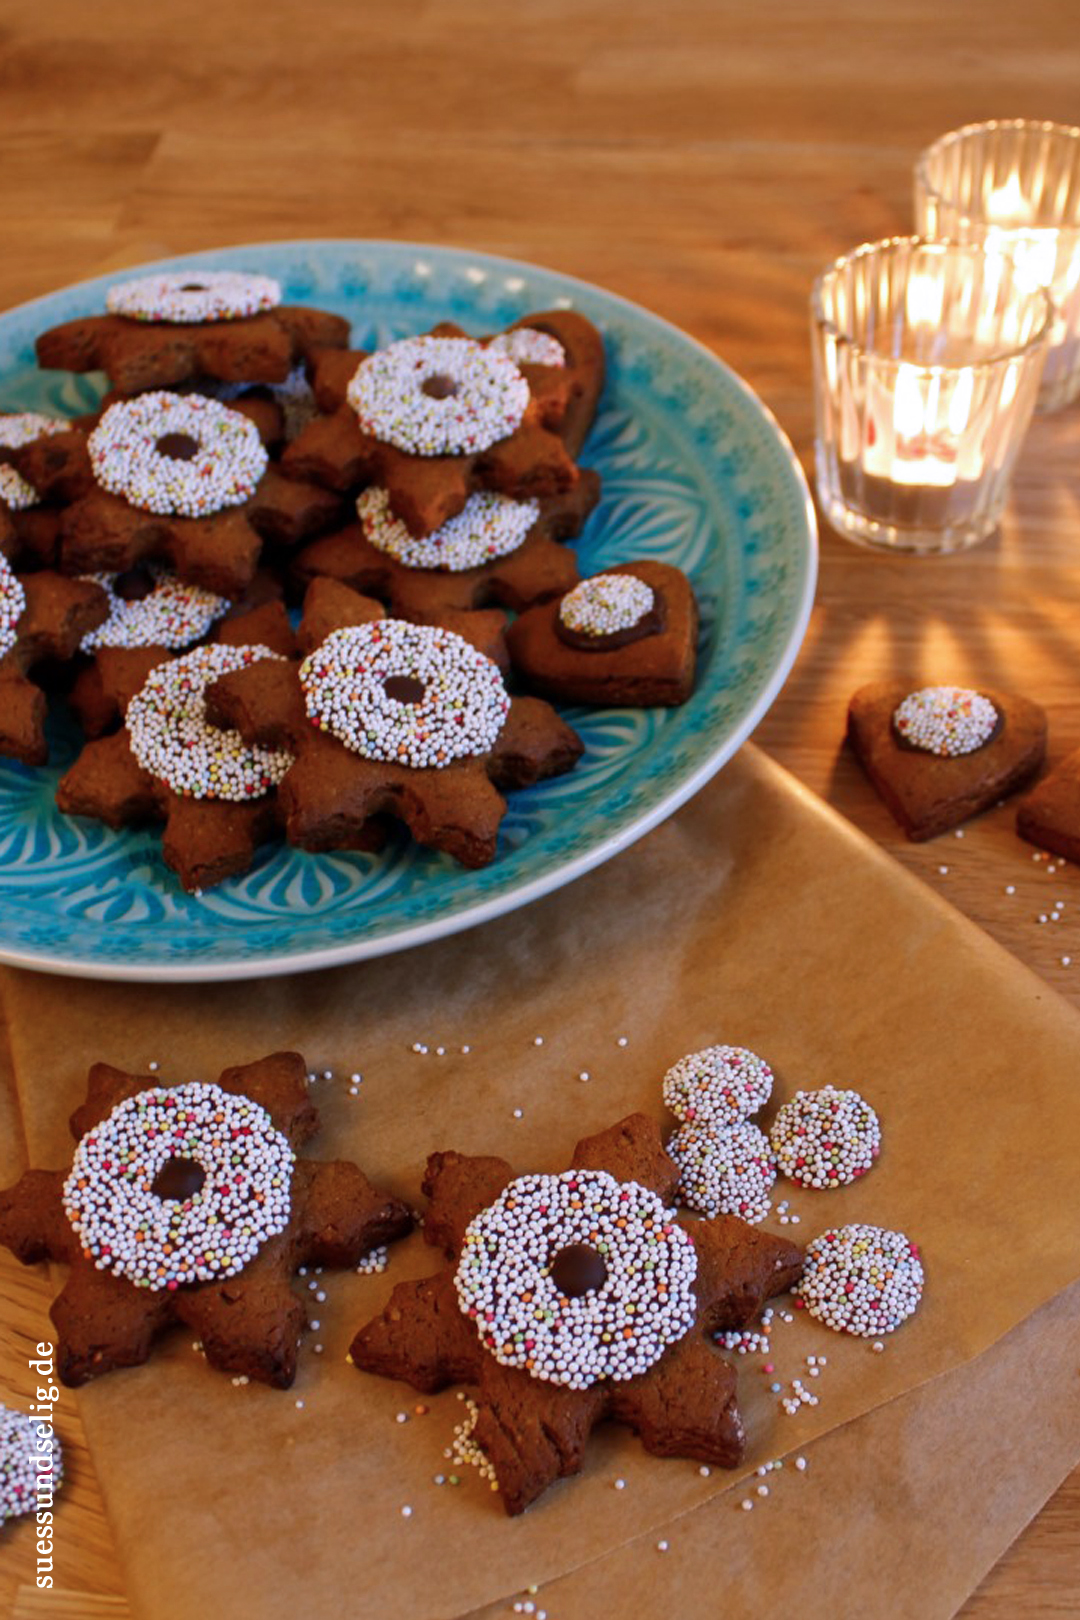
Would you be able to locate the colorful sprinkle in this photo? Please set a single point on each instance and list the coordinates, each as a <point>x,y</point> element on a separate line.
<point>861,1279</point>
<point>728,1172</point>
<point>409,694</point>
<point>605,604</point>
<point>438,396</point>
<point>192,297</point>
<point>22,1474</point>
<point>165,1241</point>
<point>825,1138</point>
<point>947,720</point>
<point>528,347</point>
<point>718,1086</point>
<point>171,737</point>
<point>615,1327</point>
<point>12,603</point>
<point>177,455</point>
<point>488,526</point>
<point>172,615</point>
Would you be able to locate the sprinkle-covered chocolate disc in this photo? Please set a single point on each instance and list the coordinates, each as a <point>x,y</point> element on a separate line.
<point>167,614</point>
<point>528,347</point>
<point>157,1239</point>
<point>191,297</point>
<point>17,429</point>
<point>861,1279</point>
<point>347,693</point>
<point>12,603</point>
<point>25,1442</point>
<point>171,737</point>
<point>826,1138</point>
<point>488,526</point>
<point>438,396</point>
<point>947,720</point>
<point>718,1086</point>
<point>128,459</point>
<point>606,604</point>
<point>727,1172</point>
<point>507,1278</point>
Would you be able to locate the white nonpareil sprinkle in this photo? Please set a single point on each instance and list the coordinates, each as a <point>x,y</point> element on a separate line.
<point>861,1279</point>
<point>173,614</point>
<point>377,1260</point>
<point>718,1086</point>
<point>12,603</point>
<point>20,1436</point>
<point>191,297</point>
<point>616,1330</point>
<point>605,604</point>
<point>480,397</point>
<point>224,470</point>
<point>528,347</point>
<point>16,429</point>
<point>162,1242</point>
<point>826,1138</point>
<point>947,720</point>
<point>171,737</point>
<point>460,713</point>
<point>487,527</point>
<point>724,1172</point>
<point>15,493</point>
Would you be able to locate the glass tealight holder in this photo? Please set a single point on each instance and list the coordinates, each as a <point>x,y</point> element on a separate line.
<point>927,359</point>
<point>1014,185</point>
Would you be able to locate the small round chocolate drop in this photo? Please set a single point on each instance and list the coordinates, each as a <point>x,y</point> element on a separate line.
<point>193,286</point>
<point>578,1269</point>
<point>178,1179</point>
<point>440,386</point>
<point>404,688</point>
<point>133,584</point>
<point>177,446</point>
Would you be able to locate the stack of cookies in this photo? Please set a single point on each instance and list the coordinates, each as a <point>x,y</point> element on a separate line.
<point>274,576</point>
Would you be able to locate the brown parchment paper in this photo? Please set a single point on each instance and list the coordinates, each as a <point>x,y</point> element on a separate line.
<point>754,916</point>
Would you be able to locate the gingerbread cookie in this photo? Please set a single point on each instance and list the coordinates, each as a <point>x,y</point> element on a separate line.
<point>215,794</point>
<point>1050,815</point>
<point>168,328</point>
<point>626,638</point>
<point>43,464</point>
<point>43,616</point>
<point>496,550</point>
<point>189,1203</point>
<point>574,1298</point>
<point>186,480</point>
<point>389,718</point>
<point>433,419</point>
<point>940,754</point>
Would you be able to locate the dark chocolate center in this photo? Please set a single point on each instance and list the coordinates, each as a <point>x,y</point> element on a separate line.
<point>440,386</point>
<point>179,1179</point>
<point>193,286</point>
<point>578,1269</point>
<point>177,446</point>
<point>404,688</point>
<point>133,584</point>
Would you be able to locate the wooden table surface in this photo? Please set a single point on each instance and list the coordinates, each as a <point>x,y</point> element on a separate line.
<point>706,160</point>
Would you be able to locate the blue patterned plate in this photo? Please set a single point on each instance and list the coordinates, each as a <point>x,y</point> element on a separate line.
<point>695,472</point>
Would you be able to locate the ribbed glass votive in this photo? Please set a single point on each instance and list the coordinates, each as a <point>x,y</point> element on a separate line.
<point>1015,186</point>
<point>927,358</point>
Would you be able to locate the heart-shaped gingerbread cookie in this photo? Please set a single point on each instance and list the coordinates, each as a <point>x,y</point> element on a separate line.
<point>938,755</point>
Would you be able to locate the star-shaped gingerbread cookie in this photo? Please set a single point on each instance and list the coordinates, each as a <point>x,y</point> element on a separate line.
<point>574,1298</point>
<point>496,550</point>
<point>433,419</point>
<point>389,718</point>
<point>169,328</point>
<point>43,617</point>
<point>189,1203</point>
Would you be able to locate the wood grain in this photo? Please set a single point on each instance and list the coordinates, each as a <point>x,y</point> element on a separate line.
<point>706,160</point>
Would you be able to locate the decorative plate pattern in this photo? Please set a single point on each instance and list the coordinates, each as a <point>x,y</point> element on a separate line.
<point>695,472</point>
